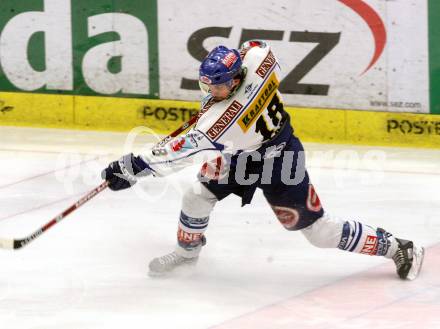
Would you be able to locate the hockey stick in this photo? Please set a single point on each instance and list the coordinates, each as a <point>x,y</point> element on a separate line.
<point>179,130</point>
<point>19,243</point>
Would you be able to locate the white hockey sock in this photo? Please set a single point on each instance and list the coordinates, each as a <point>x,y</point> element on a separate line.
<point>190,237</point>
<point>351,236</point>
<point>364,239</point>
<point>197,204</point>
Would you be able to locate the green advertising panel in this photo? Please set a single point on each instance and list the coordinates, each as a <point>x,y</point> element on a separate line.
<point>80,47</point>
<point>434,54</point>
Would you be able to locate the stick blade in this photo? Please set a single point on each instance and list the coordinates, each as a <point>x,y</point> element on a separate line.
<point>6,243</point>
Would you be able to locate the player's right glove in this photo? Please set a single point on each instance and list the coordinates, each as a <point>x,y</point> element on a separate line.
<point>125,172</point>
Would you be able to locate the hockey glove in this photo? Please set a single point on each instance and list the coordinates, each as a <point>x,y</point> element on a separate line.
<point>124,173</point>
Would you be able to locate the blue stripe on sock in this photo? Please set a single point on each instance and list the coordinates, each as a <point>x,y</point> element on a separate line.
<point>358,237</point>
<point>194,223</point>
<point>345,237</point>
<point>352,235</point>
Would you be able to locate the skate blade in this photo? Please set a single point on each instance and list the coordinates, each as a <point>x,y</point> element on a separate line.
<point>183,269</point>
<point>419,255</point>
<point>155,275</point>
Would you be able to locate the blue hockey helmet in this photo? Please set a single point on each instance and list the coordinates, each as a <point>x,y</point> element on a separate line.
<point>220,66</point>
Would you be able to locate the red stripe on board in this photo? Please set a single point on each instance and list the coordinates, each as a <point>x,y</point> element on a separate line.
<point>40,206</point>
<point>376,298</point>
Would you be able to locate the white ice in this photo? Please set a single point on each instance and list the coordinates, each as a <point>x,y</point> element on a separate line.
<point>90,270</point>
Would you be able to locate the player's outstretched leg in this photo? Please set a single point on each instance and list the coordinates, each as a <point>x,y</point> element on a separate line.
<point>197,204</point>
<point>356,237</point>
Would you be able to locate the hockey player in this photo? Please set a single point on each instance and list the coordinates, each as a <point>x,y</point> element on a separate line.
<point>242,119</point>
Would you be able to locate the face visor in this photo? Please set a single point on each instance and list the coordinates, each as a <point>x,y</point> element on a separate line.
<point>207,87</point>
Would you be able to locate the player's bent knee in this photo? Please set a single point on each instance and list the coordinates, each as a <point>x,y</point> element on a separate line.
<point>198,201</point>
<point>288,217</point>
<point>325,232</point>
<point>294,219</point>
<point>297,207</point>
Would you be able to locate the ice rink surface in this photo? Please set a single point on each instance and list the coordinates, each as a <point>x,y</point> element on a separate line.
<point>90,271</point>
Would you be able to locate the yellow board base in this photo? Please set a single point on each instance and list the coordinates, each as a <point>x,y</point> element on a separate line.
<point>164,116</point>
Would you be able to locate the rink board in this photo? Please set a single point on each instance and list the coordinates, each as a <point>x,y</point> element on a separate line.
<point>163,116</point>
<point>343,54</point>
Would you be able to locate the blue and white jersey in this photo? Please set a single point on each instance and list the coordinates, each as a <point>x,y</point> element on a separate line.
<point>243,122</point>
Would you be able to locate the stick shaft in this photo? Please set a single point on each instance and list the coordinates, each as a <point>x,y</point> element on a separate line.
<point>19,243</point>
<point>178,131</point>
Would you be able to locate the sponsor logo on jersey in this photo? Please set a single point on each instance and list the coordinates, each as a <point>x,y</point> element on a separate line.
<point>248,89</point>
<point>226,118</point>
<point>370,246</point>
<point>266,65</point>
<point>177,144</point>
<point>195,137</point>
<point>229,59</point>
<point>259,104</point>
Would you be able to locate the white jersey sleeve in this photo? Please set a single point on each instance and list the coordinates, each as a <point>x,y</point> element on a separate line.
<point>180,152</point>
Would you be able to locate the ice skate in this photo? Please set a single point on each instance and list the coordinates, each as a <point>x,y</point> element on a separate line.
<point>408,259</point>
<point>163,265</point>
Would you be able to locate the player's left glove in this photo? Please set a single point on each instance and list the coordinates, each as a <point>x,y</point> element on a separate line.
<point>125,172</point>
